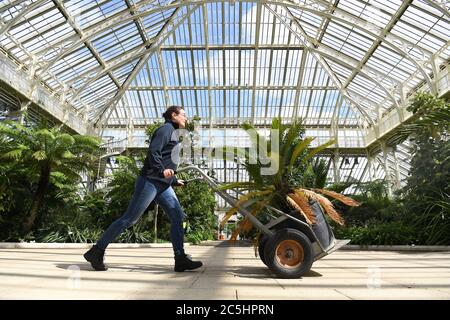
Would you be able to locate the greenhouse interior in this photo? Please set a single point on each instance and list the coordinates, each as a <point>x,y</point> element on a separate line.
<point>358,90</point>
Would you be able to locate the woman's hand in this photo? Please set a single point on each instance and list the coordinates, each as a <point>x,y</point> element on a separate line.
<point>168,173</point>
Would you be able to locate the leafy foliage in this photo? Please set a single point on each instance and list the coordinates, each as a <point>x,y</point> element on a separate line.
<point>420,212</point>
<point>427,191</point>
<point>198,202</point>
<point>291,186</point>
<point>46,157</point>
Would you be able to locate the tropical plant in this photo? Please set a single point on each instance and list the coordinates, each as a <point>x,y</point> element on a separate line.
<point>430,121</point>
<point>426,195</point>
<point>420,211</point>
<point>150,130</point>
<point>49,154</point>
<point>121,186</point>
<point>287,188</point>
<point>376,205</point>
<point>199,203</point>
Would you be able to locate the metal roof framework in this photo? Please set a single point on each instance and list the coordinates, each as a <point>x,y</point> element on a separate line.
<point>341,65</point>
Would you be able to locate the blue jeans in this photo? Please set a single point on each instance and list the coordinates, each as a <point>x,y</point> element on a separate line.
<point>144,193</point>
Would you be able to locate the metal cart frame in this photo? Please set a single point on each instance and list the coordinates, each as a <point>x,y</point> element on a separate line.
<point>287,245</point>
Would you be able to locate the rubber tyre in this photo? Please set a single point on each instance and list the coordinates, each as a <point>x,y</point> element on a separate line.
<point>261,245</point>
<point>289,253</point>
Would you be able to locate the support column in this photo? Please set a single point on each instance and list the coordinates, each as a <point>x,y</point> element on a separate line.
<point>388,179</point>
<point>370,166</point>
<point>336,171</point>
<point>130,132</point>
<point>23,109</point>
<point>397,169</point>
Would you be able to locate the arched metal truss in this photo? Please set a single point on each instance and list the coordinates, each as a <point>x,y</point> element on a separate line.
<point>118,63</point>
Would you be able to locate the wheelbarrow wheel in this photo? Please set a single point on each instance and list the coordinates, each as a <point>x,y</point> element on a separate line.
<point>289,253</point>
<point>261,245</point>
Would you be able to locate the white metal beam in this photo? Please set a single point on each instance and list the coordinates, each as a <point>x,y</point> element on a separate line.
<point>168,29</point>
<point>255,61</point>
<point>18,4</point>
<point>27,8</point>
<point>70,44</point>
<point>270,67</point>
<point>144,8</point>
<point>373,48</point>
<point>60,6</point>
<point>299,84</point>
<point>302,36</point>
<point>232,87</point>
<point>194,76</point>
<point>208,63</point>
<point>163,77</point>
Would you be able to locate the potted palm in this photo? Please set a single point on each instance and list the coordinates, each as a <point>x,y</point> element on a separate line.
<point>287,190</point>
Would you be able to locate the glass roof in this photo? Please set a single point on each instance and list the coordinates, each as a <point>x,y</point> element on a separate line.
<point>345,62</point>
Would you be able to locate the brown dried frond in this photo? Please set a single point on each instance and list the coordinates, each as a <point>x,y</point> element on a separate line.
<point>329,209</point>
<point>242,200</point>
<point>305,195</point>
<point>236,232</point>
<point>310,194</point>
<point>228,215</point>
<point>346,200</point>
<point>302,201</point>
<point>246,225</point>
<point>294,205</point>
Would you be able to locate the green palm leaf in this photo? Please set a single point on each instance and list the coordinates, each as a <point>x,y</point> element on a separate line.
<point>39,155</point>
<point>298,150</point>
<point>316,150</point>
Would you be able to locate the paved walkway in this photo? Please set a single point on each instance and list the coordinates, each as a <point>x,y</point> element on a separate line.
<point>229,273</point>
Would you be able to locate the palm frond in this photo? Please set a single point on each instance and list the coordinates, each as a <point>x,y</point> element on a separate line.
<point>246,225</point>
<point>329,209</point>
<point>297,207</point>
<point>316,150</point>
<point>325,204</point>
<point>228,215</point>
<point>236,185</point>
<point>87,140</point>
<point>299,148</point>
<point>13,154</point>
<point>45,133</point>
<point>255,137</point>
<point>340,197</point>
<point>302,201</point>
<point>243,201</point>
<point>65,140</point>
<point>39,155</point>
<point>294,132</point>
<point>68,155</point>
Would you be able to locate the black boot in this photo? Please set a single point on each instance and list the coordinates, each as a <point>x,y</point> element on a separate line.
<point>183,262</point>
<point>95,257</point>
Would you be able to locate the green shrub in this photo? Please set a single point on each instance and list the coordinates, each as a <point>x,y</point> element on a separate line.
<point>392,233</point>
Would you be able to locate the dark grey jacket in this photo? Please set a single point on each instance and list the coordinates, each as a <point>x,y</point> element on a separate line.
<point>159,156</point>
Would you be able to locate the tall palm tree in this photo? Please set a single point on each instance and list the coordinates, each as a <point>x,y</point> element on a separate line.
<point>46,152</point>
<point>286,189</point>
